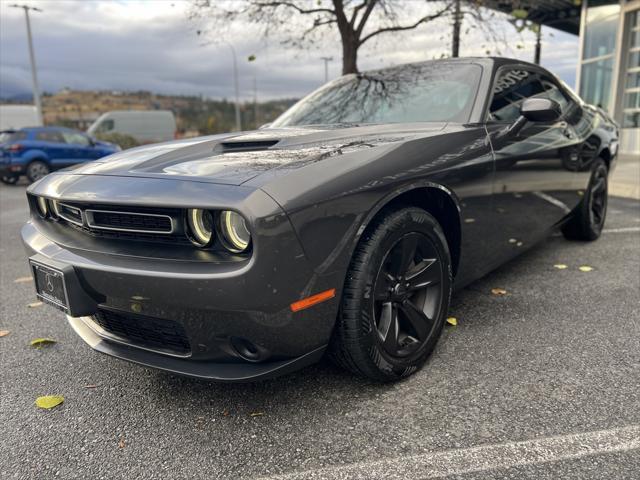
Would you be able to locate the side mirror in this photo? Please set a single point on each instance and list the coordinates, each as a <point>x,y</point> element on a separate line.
<point>532,110</point>
<point>540,110</point>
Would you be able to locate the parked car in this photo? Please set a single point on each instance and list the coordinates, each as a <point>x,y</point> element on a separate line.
<point>146,126</point>
<point>35,152</point>
<point>342,228</point>
<point>13,117</point>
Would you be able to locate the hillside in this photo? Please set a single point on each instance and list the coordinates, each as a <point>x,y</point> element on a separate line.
<point>194,115</point>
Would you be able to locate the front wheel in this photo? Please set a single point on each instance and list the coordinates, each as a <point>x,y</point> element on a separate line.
<point>395,298</point>
<point>37,170</point>
<point>588,219</point>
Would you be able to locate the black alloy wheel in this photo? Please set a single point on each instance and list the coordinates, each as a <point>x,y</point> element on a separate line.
<point>407,295</point>
<point>598,197</point>
<point>587,221</point>
<point>395,298</point>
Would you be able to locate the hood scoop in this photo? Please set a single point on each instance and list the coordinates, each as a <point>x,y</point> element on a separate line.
<point>245,146</point>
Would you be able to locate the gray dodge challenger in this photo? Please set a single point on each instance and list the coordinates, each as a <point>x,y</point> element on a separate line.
<point>341,228</point>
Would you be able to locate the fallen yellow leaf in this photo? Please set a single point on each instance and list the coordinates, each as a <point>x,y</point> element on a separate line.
<point>49,401</point>
<point>452,321</point>
<point>4,333</point>
<point>560,266</point>
<point>256,414</point>
<point>22,280</point>
<point>41,342</point>
<point>498,291</point>
<point>34,304</point>
<point>585,268</point>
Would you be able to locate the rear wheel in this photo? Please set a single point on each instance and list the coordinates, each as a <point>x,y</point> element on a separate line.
<point>10,179</point>
<point>36,170</point>
<point>588,219</point>
<point>395,297</point>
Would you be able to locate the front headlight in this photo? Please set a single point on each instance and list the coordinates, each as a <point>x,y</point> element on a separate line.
<point>235,234</point>
<point>200,226</point>
<point>43,207</point>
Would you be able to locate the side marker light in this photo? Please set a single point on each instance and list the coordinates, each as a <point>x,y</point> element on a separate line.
<point>313,300</point>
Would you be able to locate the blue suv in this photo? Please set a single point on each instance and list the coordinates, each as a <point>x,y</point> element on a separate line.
<point>36,151</point>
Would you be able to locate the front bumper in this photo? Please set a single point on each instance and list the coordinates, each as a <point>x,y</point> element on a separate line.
<point>222,372</point>
<point>218,307</point>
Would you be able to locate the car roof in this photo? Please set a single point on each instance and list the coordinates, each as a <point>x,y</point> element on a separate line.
<point>488,62</point>
<point>50,129</point>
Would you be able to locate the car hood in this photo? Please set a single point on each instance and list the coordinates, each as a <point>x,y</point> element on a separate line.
<point>234,159</point>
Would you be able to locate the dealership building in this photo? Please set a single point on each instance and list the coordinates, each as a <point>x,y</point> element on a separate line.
<point>609,65</point>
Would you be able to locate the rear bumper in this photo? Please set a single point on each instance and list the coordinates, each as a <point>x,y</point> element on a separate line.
<point>11,170</point>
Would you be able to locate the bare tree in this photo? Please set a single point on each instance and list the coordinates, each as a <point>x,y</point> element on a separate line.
<point>357,21</point>
<point>467,15</point>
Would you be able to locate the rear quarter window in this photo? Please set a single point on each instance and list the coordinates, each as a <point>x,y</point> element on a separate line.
<point>12,136</point>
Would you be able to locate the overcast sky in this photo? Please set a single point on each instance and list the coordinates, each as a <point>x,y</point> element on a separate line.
<point>152,45</point>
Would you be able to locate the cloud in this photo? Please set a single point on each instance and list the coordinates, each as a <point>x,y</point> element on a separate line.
<point>151,45</point>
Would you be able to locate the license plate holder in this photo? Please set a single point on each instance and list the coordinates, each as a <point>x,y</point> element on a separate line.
<point>51,287</point>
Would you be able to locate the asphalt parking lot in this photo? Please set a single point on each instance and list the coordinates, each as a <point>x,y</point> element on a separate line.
<point>543,382</point>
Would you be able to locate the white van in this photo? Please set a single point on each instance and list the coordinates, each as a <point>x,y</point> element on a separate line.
<point>146,126</point>
<point>15,117</point>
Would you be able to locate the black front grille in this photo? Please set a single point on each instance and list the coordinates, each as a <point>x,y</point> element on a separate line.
<point>130,221</point>
<point>174,239</point>
<point>69,213</point>
<point>152,333</point>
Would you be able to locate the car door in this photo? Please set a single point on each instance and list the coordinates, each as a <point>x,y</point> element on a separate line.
<point>52,143</point>
<point>534,186</point>
<point>81,146</point>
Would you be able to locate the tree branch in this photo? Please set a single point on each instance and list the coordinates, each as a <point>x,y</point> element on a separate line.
<point>356,9</point>
<point>399,28</point>
<point>365,17</point>
<point>299,9</point>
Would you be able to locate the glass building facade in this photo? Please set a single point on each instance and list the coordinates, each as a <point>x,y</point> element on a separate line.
<point>609,69</point>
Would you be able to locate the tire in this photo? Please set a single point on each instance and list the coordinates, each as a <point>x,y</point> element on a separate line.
<point>10,179</point>
<point>394,302</point>
<point>37,170</point>
<point>587,220</point>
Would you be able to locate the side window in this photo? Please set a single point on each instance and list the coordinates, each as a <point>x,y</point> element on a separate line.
<point>553,92</point>
<point>106,126</point>
<point>49,136</point>
<point>509,91</point>
<point>17,136</point>
<point>74,138</point>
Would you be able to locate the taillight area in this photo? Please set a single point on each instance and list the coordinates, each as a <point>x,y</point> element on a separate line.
<point>15,148</point>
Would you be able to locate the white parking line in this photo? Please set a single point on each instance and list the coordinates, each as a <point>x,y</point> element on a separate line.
<point>621,230</point>
<point>482,458</point>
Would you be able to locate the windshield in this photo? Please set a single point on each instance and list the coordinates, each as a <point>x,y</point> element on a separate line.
<point>430,92</point>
